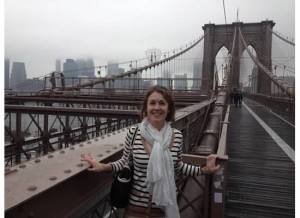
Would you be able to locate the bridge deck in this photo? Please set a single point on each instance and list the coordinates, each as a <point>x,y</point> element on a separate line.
<point>260,176</point>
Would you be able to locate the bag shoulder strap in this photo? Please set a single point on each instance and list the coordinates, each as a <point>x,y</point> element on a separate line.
<point>134,134</point>
<point>132,143</point>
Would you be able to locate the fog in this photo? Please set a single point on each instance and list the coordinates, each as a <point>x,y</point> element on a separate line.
<point>38,32</point>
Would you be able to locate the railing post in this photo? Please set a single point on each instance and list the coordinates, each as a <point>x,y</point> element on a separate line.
<point>219,191</point>
<point>219,178</point>
<point>206,196</point>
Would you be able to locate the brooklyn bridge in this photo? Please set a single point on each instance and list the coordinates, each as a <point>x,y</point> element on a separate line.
<point>46,130</point>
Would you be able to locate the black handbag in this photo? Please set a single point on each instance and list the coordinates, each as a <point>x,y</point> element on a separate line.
<point>121,186</point>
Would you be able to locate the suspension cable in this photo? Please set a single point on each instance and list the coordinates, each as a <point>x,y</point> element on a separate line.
<point>280,37</point>
<point>225,22</point>
<point>274,78</point>
<point>206,113</point>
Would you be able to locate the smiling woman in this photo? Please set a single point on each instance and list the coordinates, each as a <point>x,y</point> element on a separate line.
<point>155,153</point>
<point>157,110</point>
<point>158,106</point>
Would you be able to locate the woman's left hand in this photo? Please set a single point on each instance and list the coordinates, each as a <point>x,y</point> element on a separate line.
<point>211,163</point>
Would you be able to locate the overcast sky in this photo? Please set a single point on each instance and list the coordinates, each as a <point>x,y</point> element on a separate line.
<point>38,32</point>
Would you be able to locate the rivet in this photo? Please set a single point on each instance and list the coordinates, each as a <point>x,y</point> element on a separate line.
<point>50,156</point>
<point>119,131</point>
<point>30,214</point>
<point>11,171</point>
<point>102,137</point>
<point>96,140</point>
<point>121,144</point>
<point>7,169</point>
<point>89,142</point>
<point>114,133</point>
<point>115,147</point>
<point>99,155</point>
<point>123,130</point>
<point>68,171</point>
<point>80,165</point>
<point>107,151</point>
<point>62,152</point>
<point>72,148</point>
<point>53,178</point>
<point>32,188</point>
<point>81,145</point>
<point>108,135</point>
<point>22,166</point>
<point>37,160</point>
<point>22,208</point>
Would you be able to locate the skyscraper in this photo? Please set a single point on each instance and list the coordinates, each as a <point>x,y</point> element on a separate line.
<point>112,68</point>
<point>90,68</point>
<point>18,74</point>
<point>180,82</point>
<point>70,71</point>
<point>86,67</point>
<point>197,75</point>
<point>6,73</point>
<point>58,65</point>
<point>81,66</point>
<point>165,80</point>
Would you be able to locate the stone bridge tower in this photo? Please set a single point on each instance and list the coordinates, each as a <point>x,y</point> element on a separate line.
<point>258,35</point>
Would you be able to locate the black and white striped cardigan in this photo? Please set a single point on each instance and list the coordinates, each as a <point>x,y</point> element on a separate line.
<point>139,196</point>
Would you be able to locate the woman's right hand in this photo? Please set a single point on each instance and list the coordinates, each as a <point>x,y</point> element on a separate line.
<point>95,166</point>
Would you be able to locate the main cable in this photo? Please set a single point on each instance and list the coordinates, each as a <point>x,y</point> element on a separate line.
<point>225,22</point>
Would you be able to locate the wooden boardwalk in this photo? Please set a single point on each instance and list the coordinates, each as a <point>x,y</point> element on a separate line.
<point>260,176</point>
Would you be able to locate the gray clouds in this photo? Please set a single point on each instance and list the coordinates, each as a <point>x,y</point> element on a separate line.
<point>39,31</point>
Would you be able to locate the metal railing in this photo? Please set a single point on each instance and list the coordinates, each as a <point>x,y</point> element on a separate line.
<point>59,185</point>
<point>282,106</point>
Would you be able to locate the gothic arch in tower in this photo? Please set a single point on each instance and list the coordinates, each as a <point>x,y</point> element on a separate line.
<point>258,35</point>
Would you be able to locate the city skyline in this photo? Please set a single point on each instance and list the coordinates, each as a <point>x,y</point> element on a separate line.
<point>119,30</point>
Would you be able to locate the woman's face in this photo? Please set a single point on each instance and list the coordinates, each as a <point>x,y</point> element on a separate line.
<point>157,110</point>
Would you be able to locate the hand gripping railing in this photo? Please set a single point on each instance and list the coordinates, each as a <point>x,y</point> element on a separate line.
<point>60,176</point>
<point>215,185</point>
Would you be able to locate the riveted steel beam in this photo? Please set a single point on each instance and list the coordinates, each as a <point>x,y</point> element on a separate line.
<point>58,184</point>
<point>72,111</point>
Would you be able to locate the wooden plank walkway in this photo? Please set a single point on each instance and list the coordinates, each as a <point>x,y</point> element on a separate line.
<point>260,176</point>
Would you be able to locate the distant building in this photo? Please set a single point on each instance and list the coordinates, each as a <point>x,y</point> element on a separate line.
<point>81,66</point>
<point>6,73</point>
<point>180,82</point>
<point>73,69</point>
<point>165,80</point>
<point>33,85</point>
<point>112,68</point>
<point>146,85</point>
<point>254,75</point>
<point>197,75</point>
<point>70,72</point>
<point>18,75</point>
<point>90,68</point>
<point>288,80</point>
<point>86,67</point>
<point>58,65</point>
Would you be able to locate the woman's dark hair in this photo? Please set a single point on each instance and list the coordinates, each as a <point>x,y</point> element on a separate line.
<point>167,95</point>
